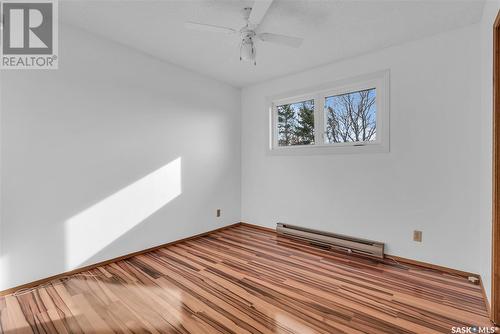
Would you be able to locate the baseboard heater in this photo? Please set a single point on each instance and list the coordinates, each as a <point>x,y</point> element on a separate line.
<point>340,242</point>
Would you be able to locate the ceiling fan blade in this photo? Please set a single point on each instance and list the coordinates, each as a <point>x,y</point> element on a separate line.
<point>209,27</point>
<point>259,10</point>
<point>293,42</point>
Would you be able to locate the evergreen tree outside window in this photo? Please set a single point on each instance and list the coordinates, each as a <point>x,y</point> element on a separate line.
<point>296,123</point>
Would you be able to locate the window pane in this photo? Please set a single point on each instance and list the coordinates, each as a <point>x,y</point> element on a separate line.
<point>351,117</point>
<point>296,123</point>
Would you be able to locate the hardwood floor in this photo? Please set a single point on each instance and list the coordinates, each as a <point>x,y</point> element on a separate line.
<point>247,280</point>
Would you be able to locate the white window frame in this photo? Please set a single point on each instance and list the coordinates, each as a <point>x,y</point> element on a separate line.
<point>378,80</point>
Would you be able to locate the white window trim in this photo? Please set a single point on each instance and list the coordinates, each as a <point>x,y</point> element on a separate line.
<point>379,80</point>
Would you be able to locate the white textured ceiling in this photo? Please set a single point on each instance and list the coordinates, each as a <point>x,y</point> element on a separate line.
<point>331,29</point>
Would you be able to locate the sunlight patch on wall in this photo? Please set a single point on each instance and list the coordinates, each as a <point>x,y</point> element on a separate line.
<point>98,226</point>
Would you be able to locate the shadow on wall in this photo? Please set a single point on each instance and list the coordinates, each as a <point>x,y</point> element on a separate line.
<point>93,229</point>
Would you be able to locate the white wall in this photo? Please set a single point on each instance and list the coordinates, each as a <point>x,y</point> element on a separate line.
<point>109,116</point>
<point>486,32</point>
<point>429,180</point>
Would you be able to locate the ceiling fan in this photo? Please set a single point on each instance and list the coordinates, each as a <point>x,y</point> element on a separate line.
<point>249,33</point>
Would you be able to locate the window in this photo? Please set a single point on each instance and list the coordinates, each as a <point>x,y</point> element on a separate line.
<point>296,123</point>
<point>347,116</point>
<point>351,117</point>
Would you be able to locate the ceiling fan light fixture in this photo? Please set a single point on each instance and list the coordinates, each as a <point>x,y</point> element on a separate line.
<point>247,50</point>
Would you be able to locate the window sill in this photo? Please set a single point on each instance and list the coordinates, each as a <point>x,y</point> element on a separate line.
<point>329,149</point>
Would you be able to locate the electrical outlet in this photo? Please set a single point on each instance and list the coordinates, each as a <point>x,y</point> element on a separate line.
<point>218,213</point>
<point>473,280</point>
<point>417,236</point>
